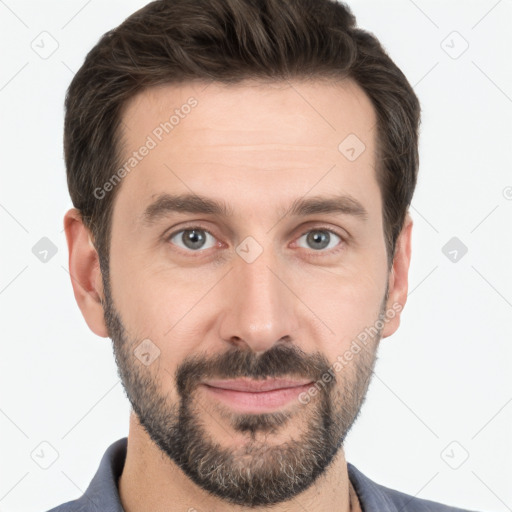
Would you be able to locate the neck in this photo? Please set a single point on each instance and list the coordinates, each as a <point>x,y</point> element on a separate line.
<point>150,482</point>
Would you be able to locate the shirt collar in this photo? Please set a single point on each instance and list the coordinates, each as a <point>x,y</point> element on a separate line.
<point>102,493</point>
<point>370,494</point>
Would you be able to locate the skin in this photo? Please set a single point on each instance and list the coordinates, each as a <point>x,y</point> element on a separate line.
<point>258,147</point>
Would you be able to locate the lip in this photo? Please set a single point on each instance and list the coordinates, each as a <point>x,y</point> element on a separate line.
<point>256,386</point>
<point>251,396</point>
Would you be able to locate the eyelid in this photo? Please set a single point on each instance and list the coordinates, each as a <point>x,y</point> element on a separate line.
<point>198,226</point>
<point>317,227</point>
<point>324,253</point>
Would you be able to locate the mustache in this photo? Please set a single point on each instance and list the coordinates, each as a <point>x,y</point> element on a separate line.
<point>280,361</point>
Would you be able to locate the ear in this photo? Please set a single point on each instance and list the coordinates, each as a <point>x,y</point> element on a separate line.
<point>84,269</point>
<point>399,278</point>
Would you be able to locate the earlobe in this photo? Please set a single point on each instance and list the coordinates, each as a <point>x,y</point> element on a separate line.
<point>85,273</point>
<point>399,279</point>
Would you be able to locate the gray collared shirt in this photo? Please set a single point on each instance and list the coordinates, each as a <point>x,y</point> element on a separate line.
<point>102,494</point>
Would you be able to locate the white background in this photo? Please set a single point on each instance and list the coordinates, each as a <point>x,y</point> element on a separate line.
<point>443,377</point>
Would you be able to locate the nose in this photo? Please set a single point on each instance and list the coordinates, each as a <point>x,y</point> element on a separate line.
<point>260,306</point>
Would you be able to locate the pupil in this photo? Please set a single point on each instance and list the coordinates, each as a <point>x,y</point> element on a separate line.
<point>194,240</point>
<point>316,237</point>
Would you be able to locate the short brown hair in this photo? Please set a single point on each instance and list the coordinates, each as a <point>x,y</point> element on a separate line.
<point>173,41</point>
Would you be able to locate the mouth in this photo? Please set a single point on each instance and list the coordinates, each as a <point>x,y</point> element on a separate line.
<point>256,396</point>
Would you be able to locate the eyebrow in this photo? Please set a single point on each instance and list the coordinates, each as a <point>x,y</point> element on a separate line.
<point>166,204</point>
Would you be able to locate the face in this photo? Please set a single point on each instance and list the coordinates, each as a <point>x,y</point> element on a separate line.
<point>280,283</point>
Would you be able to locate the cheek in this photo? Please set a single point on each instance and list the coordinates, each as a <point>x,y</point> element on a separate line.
<point>145,302</point>
<point>348,305</point>
<point>170,307</point>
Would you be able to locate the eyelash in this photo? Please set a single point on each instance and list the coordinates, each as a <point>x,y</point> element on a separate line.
<point>319,253</point>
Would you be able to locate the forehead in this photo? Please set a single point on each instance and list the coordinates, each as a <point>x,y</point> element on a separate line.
<point>242,140</point>
<point>276,112</point>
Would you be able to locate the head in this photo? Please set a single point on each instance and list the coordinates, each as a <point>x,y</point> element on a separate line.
<point>241,185</point>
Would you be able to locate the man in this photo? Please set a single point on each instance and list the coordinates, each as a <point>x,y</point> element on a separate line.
<point>241,173</point>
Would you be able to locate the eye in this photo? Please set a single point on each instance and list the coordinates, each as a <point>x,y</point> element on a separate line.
<point>193,239</point>
<point>197,239</point>
<point>319,239</point>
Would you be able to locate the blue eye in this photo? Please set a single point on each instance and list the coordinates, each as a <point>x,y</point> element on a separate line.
<point>193,239</point>
<point>319,239</point>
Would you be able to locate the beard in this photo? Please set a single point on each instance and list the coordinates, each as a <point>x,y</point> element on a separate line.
<point>257,472</point>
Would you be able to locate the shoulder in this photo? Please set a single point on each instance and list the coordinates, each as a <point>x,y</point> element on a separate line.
<point>102,493</point>
<point>70,506</point>
<point>376,497</point>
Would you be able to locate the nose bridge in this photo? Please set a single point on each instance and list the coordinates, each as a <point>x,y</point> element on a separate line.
<point>260,308</point>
